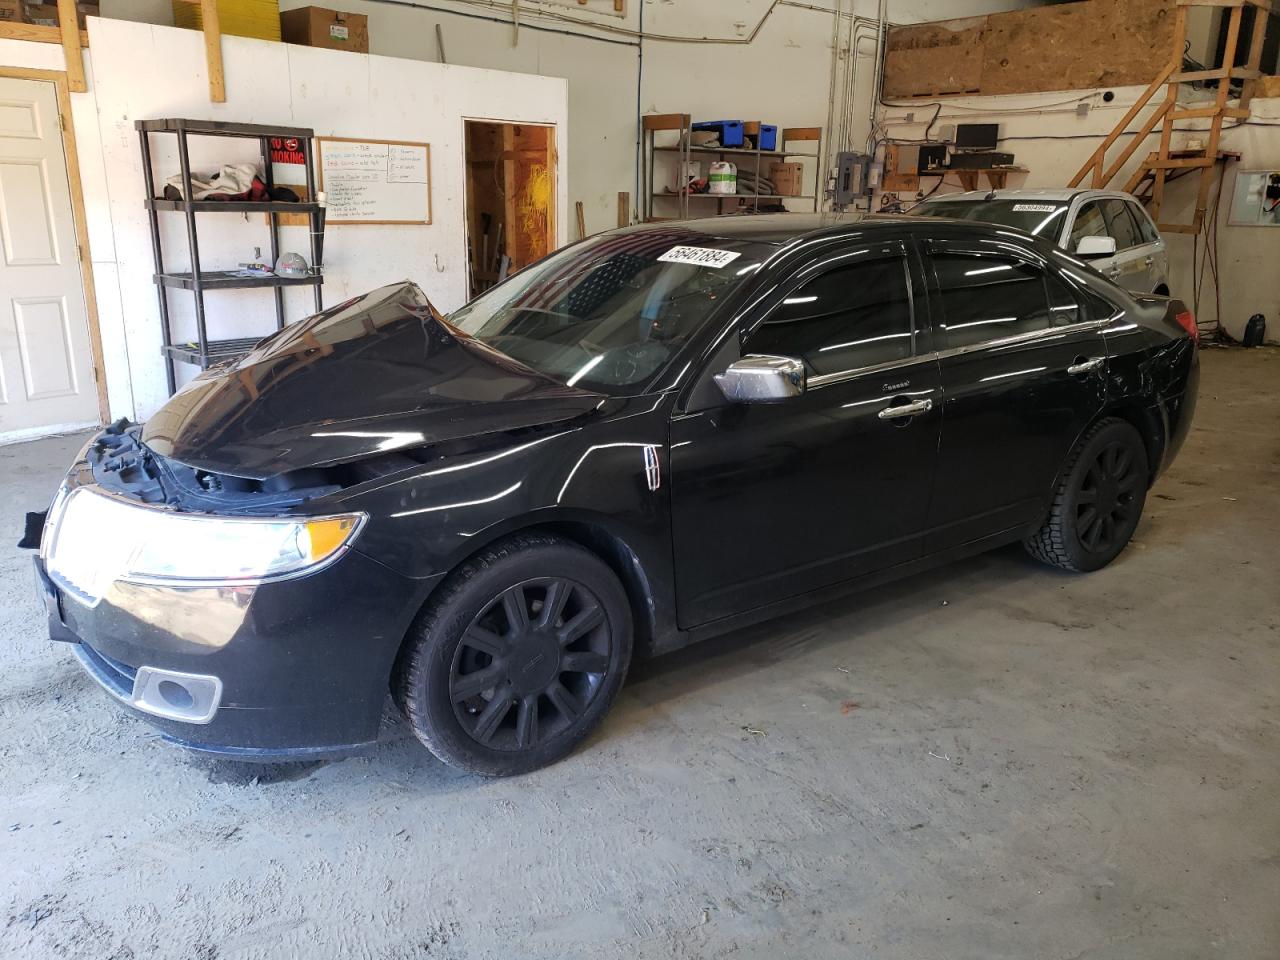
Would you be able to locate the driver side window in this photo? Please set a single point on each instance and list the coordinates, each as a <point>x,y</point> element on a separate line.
<point>1089,223</point>
<point>847,318</point>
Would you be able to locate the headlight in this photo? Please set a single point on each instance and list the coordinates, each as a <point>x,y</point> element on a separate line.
<point>98,539</point>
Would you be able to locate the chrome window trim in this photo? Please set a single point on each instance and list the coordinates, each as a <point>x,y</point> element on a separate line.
<point>827,379</point>
<point>1029,337</point>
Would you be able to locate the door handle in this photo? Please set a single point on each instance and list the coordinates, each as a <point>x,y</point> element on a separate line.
<point>1150,261</point>
<point>1082,366</point>
<point>1114,271</point>
<point>913,409</point>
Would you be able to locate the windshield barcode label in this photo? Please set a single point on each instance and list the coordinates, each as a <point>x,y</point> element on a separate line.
<point>699,256</point>
<point>1034,208</point>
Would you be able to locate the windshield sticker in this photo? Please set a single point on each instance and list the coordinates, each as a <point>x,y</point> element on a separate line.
<point>1034,208</point>
<point>700,256</point>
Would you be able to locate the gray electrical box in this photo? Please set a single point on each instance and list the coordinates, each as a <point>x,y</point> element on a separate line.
<point>851,178</point>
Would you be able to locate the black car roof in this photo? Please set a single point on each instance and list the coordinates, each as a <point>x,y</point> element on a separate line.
<point>779,228</point>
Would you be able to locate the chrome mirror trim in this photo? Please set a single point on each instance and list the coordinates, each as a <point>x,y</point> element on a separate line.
<point>758,378</point>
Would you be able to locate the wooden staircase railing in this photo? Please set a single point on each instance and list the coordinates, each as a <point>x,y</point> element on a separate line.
<point>1165,164</point>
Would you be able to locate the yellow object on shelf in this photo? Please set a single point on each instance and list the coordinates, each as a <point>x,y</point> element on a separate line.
<point>240,18</point>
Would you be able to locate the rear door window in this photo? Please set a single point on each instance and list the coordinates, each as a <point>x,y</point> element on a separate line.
<point>988,298</point>
<point>1121,224</point>
<point>849,317</point>
<point>1145,227</point>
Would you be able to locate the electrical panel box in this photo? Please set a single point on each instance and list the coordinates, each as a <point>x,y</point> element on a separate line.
<point>851,178</point>
<point>1255,202</point>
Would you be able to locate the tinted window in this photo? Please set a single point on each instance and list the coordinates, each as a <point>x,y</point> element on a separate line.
<point>608,313</point>
<point>1064,304</point>
<point>849,317</point>
<point>1145,227</point>
<point>1089,223</point>
<point>989,298</point>
<point>1043,218</point>
<point>1123,226</point>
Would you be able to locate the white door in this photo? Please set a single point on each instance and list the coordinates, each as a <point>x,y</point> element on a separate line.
<point>46,368</point>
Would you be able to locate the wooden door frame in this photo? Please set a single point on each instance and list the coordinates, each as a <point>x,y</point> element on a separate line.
<point>72,160</point>
<point>553,208</point>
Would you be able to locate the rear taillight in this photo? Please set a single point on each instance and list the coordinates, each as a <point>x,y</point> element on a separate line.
<point>1187,321</point>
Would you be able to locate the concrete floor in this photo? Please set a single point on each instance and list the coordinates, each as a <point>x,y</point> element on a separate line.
<point>993,760</point>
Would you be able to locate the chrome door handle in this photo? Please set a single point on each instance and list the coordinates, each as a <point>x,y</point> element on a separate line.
<point>1086,366</point>
<point>913,409</point>
<point>1150,261</point>
<point>1114,272</point>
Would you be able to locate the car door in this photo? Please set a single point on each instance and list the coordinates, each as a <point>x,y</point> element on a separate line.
<point>1023,366</point>
<point>773,500</point>
<point>1131,266</point>
<point>1151,250</point>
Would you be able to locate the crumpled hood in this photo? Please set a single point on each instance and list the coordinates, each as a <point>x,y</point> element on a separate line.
<point>378,373</point>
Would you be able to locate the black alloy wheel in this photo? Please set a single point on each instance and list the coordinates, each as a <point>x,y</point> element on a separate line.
<point>1098,501</point>
<point>530,663</point>
<point>517,656</point>
<point>1107,499</point>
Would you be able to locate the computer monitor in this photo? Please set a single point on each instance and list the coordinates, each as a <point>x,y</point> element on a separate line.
<point>977,136</point>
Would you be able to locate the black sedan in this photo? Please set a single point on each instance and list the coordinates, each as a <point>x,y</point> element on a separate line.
<point>652,436</point>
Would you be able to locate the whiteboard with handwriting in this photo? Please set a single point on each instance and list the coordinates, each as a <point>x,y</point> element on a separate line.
<point>375,181</point>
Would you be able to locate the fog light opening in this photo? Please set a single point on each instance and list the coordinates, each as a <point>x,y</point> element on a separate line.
<point>175,694</point>
<point>189,697</point>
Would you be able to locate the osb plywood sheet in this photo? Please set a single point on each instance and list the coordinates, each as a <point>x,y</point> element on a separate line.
<point>1081,45</point>
<point>954,66</point>
<point>1077,46</point>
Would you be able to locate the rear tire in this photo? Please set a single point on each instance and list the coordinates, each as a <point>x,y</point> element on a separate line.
<point>1098,502</point>
<point>519,657</point>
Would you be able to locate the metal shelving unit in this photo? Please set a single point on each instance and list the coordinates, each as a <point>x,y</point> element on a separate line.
<point>203,351</point>
<point>684,151</point>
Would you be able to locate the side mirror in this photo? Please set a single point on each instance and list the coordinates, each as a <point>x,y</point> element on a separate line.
<point>762,379</point>
<point>1094,248</point>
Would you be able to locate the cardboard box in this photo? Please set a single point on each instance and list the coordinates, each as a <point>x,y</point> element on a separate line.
<point>11,10</point>
<point>331,29</point>
<point>788,178</point>
<point>46,14</point>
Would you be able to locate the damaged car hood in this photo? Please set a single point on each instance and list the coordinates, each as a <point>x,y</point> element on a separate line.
<point>379,373</point>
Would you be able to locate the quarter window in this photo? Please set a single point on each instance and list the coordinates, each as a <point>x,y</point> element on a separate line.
<point>849,317</point>
<point>991,297</point>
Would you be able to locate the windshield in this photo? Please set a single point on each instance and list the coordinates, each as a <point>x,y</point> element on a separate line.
<point>607,314</point>
<point>1043,218</point>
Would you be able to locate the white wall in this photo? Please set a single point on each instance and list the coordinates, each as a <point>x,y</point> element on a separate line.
<point>1046,135</point>
<point>142,71</point>
<point>783,76</point>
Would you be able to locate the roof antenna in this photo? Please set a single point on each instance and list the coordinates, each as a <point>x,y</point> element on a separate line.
<point>992,195</point>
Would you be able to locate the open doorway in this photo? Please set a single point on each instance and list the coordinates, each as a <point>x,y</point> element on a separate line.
<point>511,193</point>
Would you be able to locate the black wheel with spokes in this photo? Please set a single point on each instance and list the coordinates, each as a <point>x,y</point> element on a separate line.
<point>1099,500</point>
<point>518,658</point>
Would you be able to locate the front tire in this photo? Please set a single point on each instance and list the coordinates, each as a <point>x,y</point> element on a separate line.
<point>1099,500</point>
<point>519,657</point>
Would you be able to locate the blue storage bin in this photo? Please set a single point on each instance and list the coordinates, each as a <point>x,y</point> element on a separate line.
<point>768,137</point>
<point>730,131</point>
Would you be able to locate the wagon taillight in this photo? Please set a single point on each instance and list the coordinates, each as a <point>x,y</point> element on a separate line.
<point>1187,321</point>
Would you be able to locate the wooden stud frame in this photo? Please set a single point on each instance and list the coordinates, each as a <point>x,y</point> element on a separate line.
<point>212,48</point>
<point>61,85</point>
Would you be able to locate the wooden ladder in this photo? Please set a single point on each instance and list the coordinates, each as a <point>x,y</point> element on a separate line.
<point>1167,164</point>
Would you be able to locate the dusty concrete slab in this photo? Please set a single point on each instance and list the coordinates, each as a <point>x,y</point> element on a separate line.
<point>993,760</point>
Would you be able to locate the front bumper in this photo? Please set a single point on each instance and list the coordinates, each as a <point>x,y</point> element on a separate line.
<point>302,665</point>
